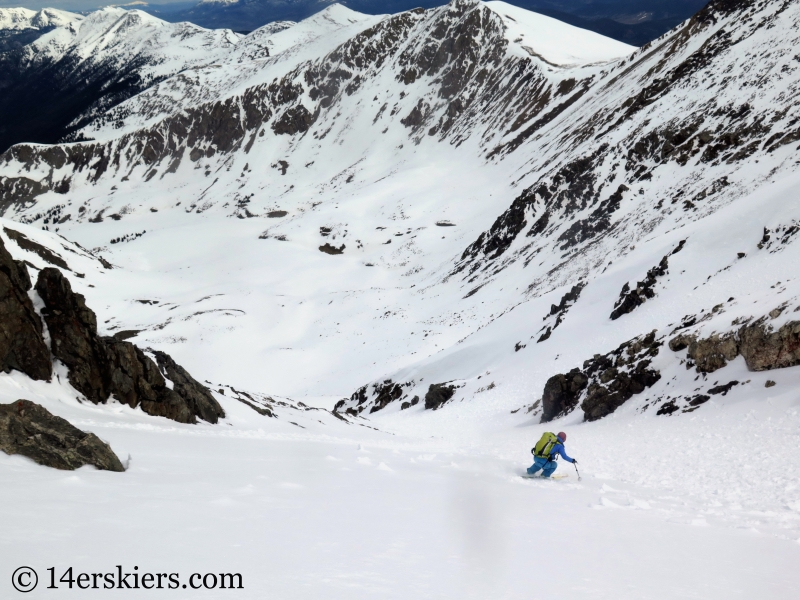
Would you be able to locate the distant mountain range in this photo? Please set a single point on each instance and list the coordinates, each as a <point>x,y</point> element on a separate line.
<point>634,22</point>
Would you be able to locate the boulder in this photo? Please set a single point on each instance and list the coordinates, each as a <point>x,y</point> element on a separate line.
<point>561,393</point>
<point>31,430</point>
<point>22,345</point>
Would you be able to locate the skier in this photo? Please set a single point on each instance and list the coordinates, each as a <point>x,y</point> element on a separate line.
<point>546,452</point>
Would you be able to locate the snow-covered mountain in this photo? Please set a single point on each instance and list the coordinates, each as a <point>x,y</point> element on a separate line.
<point>302,134</point>
<point>24,18</point>
<point>632,21</point>
<point>455,226</point>
<point>91,64</point>
<point>21,26</point>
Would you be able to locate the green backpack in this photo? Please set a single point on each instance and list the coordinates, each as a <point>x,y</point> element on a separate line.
<point>545,445</point>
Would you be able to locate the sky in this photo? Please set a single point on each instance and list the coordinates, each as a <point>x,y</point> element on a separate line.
<point>72,5</point>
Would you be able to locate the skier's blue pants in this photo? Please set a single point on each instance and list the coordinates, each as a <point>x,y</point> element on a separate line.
<point>547,466</point>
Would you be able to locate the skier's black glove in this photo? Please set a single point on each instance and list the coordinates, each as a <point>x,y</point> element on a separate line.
<point>574,462</point>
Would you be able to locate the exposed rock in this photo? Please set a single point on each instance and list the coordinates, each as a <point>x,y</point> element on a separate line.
<point>126,334</point>
<point>22,345</point>
<point>383,394</point>
<point>26,243</point>
<point>668,408</point>
<point>770,383</point>
<point>605,383</point>
<point>31,430</point>
<point>713,353</point>
<point>764,349</point>
<point>196,395</point>
<point>295,120</point>
<point>406,405</point>
<point>681,342</point>
<point>723,389</point>
<point>559,311</point>
<point>631,299</point>
<point>328,249</point>
<point>100,367</point>
<point>438,394</point>
<point>619,375</point>
<point>561,394</point>
<point>73,333</point>
<point>386,392</point>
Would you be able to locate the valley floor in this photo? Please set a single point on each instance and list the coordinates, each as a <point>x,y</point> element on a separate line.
<point>422,507</point>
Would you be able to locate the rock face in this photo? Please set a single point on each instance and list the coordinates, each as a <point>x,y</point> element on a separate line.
<point>561,394</point>
<point>31,430</point>
<point>606,381</point>
<point>22,346</point>
<point>100,367</point>
<point>713,353</point>
<point>762,348</point>
<point>196,395</point>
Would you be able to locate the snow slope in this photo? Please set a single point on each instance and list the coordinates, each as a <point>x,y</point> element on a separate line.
<point>399,201</point>
<point>555,41</point>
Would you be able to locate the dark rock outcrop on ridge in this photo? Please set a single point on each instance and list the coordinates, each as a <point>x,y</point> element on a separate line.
<point>31,430</point>
<point>22,346</point>
<point>605,382</point>
<point>100,367</point>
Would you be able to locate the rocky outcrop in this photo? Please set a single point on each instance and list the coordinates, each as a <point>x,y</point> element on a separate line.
<point>630,299</point>
<point>619,375</point>
<point>31,430</point>
<point>559,311</point>
<point>713,353</point>
<point>196,395</point>
<point>383,393</point>
<point>101,367</point>
<point>22,345</point>
<point>561,393</point>
<point>605,382</point>
<point>762,348</point>
<point>438,394</point>
<point>28,244</point>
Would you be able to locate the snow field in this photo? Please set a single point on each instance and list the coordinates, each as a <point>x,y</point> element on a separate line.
<point>363,515</point>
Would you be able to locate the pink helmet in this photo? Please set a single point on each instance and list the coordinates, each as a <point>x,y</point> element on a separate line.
<point>562,436</point>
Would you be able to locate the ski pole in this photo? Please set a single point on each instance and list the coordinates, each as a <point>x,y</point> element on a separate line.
<point>576,470</point>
